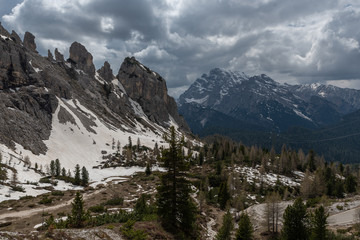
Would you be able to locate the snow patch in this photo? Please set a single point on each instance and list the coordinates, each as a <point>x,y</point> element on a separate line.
<point>37,70</point>
<point>5,37</point>
<point>302,115</point>
<point>198,101</point>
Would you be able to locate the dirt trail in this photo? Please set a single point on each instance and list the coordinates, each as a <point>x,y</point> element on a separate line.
<point>343,218</point>
<point>31,212</point>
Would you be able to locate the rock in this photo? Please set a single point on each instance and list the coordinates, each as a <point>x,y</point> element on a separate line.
<point>149,90</point>
<point>15,37</point>
<point>29,41</point>
<point>106,72</point>
<point>3,31</point>
<point>82,58</point>
<point>58,56</point>
<point>50,56</point>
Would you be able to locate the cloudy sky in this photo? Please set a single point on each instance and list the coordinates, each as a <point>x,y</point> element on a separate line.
<point>291,41</point>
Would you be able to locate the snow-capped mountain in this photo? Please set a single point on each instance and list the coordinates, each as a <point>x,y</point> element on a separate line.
<point>261,101</point>
<point>65,109</point>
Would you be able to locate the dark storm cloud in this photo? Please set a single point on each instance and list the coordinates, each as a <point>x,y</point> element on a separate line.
<point>296,41</point>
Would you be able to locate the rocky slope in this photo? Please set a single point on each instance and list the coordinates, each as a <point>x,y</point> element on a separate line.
<point>37,91</point>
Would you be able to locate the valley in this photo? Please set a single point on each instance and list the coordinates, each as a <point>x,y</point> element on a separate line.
<point>86,154</point>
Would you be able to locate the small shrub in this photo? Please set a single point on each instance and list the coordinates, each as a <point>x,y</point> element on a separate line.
<point>97,209</point>
<point>130,233</point>
<point>114,201</point>
<point>45,180</point>
<point>110,227</point>
<point>341,231</point>
<point>340,207</point>
<point>26,197</point>
<point>45,200</point>
<point>17,188</point>
<point>57,193</point>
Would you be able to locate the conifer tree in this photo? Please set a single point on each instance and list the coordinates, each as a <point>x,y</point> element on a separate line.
<point>63,172</point>
<point>78,215</point>
<point>226,228</point>
<point>224,195</point>
<point>52,168</point>
<point>148,169</point>
<point>174,205</point>
<point>77,179</point>
<point>2,171</point>
<point>319,221</point>
<point>245,230</point>
<point>296,222</point>
<point>57,168</point>
<point>84,176</point>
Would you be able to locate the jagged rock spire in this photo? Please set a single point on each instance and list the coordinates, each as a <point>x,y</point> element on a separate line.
<point>106,72</point>
<point>58,56</point>
<point>15,37</point>
<point>29,41</point>
<point>82,58</point>
<point>3,31</point>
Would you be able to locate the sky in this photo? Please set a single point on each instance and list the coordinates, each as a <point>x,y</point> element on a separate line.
<point>291,41</point>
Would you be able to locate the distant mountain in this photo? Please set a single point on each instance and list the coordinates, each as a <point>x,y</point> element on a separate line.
<point>259,100</point>
<point>259,110</point>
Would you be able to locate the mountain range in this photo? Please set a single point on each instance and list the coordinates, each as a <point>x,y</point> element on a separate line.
<point>258,110</point>
<point>52,108</point>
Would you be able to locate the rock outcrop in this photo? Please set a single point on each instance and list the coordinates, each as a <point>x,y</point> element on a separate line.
<point>3,31</point>
<point>106,72</point>
<point>31,87</point>
<point>15,37</point>
<point>29,41</point>
<point>149,89</point>
<point>58,56</point>
<point>50,56</point>
<point>82,59</point>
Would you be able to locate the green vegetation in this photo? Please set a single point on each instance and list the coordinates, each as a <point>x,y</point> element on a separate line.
<point>175,207</point>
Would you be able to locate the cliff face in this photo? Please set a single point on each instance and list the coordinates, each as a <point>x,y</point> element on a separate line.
<point>149,89</point>
<point>32,87</point>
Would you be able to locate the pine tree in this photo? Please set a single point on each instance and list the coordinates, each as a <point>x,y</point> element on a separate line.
<point>63,172</point>
<point>138,145</point>
<point>84,176</point>
<point>2,171</point>
<point>224,195</point>
<point>226,228</point>
<point>77,180</point>
<point>296,222</point>
<point>245,230</point>
<point>148,169</point>
<point>77,213</point>
<point>319,221</point>
<point>57,168</point>
<point>175,207</point>
<point>52,168</point>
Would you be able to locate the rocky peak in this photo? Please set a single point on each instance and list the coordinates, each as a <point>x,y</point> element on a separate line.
<point>58,56</point>
<point>82,58</point>
<point>29,41</point>
<point>149,90</point>
<point>14,36</point>
<point>140,82</point>
<point>106,72</point>
<point>3,31</point>
<point>50,56</point>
